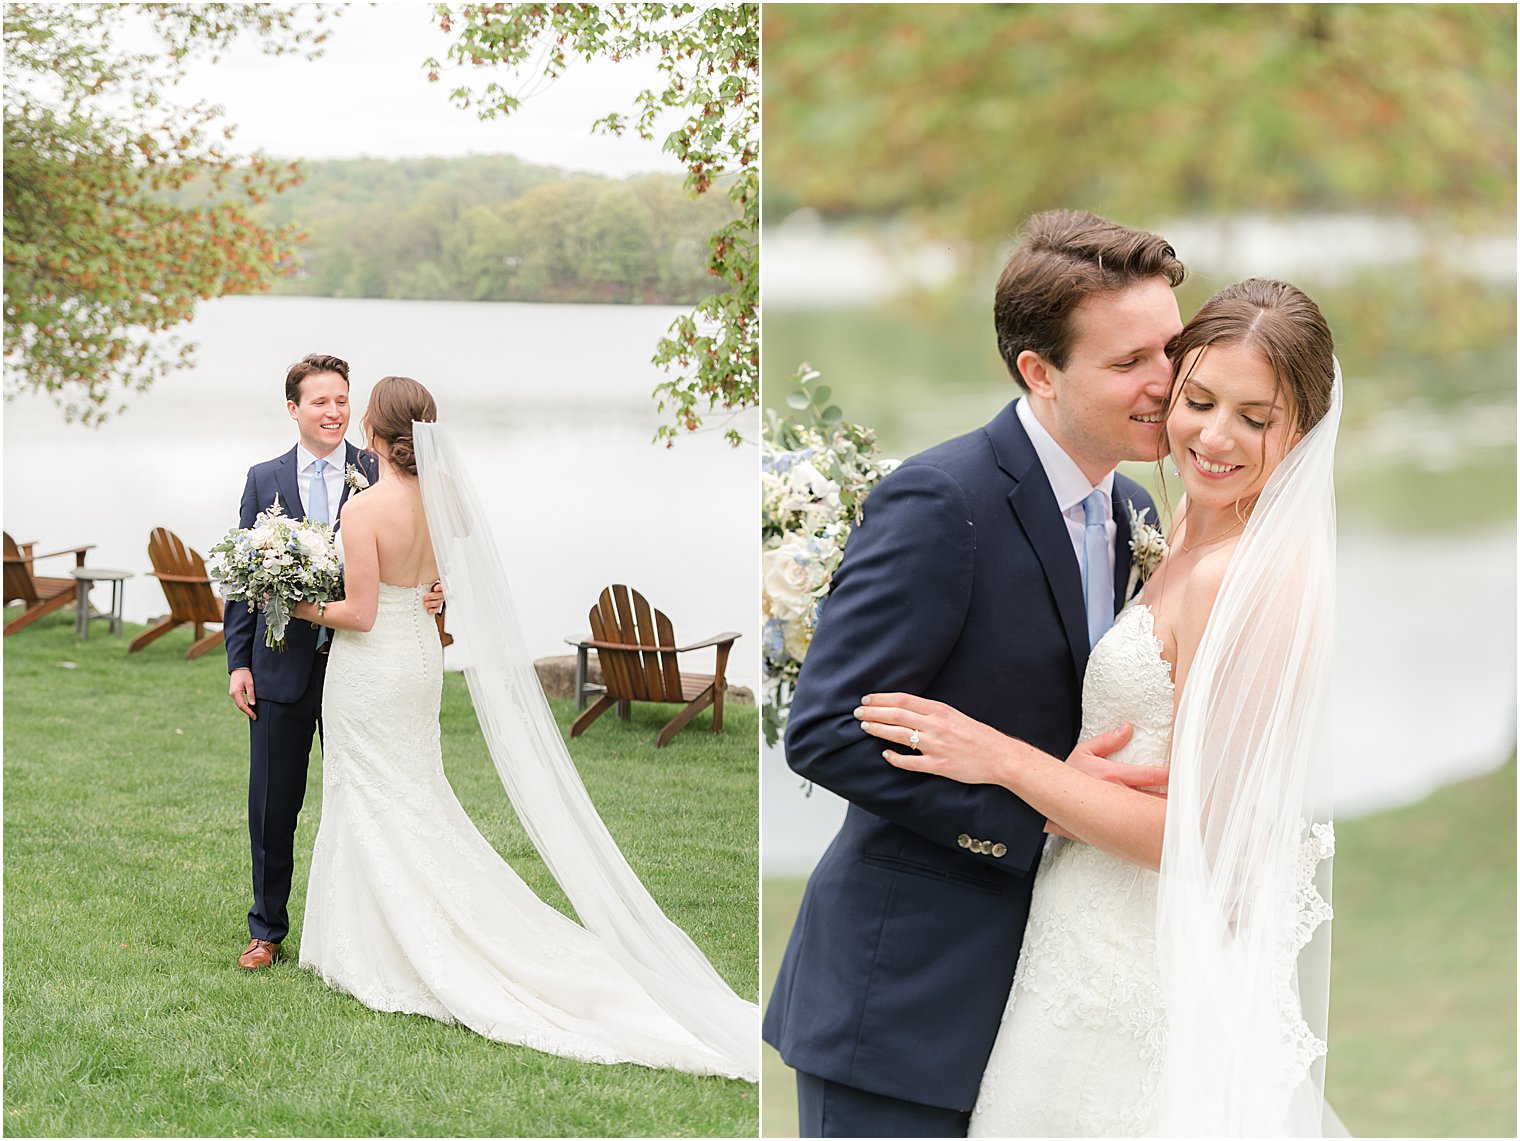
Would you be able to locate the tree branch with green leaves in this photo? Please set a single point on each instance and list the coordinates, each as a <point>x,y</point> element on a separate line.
<point>709,58</point>
<point>122,209</point>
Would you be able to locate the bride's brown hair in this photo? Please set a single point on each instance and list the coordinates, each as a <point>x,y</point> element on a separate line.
<point>1281,323</point>
<point>394,404</point>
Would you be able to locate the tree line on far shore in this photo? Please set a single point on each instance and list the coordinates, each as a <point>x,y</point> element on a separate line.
<point>494,228</point>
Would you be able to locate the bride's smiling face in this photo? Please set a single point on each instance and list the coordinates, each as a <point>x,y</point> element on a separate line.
<point>1229,426</point>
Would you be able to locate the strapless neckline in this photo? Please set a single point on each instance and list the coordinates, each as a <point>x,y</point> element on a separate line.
<point>1149,630</point>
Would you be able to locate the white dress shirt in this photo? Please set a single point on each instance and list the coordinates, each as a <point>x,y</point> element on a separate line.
<point>1070,487</point>
<point>306,469</point>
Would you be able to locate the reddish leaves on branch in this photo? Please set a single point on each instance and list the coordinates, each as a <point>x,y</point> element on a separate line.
<point>118,221</point>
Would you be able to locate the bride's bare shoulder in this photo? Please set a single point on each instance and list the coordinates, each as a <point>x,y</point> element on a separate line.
<point>371,505</point>
<point>1200,591</point>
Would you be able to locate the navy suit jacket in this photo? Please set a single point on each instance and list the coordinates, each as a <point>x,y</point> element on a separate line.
<point>279,675</point>
<point>960,585</point>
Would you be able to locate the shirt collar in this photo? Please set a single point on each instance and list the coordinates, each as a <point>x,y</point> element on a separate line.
<point>1066,478</point>
<point>305,459</point>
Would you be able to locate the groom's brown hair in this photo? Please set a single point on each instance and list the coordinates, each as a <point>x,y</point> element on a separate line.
<point>1065,257</point>
<point>310,365</point>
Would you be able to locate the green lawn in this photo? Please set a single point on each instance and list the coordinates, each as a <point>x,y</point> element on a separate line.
<point>126,885</point>
<point>1422,1029</point>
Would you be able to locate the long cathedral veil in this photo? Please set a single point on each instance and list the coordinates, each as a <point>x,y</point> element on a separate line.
<point>1244,937</point>
<point>542,781</point>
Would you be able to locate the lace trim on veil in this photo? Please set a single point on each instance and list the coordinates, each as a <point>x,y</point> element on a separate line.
<point>1308,910</point>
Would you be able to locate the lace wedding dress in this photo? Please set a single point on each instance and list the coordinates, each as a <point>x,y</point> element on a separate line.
<point>410,909</point>
<point>1083,1042</point>
<point>1080,1048</point>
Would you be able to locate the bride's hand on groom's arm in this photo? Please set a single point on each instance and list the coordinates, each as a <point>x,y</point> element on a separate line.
<point>951,744</point>
<point>1082,795</point>
<point>948,743</point>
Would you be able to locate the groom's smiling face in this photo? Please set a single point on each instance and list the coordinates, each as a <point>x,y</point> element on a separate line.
<point>322,414</point>
<point>1106,404</point>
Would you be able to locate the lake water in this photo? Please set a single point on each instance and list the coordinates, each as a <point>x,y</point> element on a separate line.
<point>1424,689</point>
<point>549,403</point>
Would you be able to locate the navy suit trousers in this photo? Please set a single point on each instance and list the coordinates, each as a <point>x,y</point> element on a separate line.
<point>829,1109</point>
<point>280,754</point>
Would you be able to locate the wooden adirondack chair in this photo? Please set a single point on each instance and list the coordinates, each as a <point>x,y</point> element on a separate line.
<point>187,586</point>
<point>638,653</point>
<point>40,595</point>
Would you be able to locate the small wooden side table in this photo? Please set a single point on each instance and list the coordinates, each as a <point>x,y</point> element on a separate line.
<point>583,689</point>
<point>88,577</point>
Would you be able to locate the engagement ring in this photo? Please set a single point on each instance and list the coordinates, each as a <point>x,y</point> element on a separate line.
<point>913,739</point>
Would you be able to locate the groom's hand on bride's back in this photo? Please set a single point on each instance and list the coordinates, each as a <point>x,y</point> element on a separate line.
<point>1090,757</point>
<point>433,599</point>
<point>240,690</point>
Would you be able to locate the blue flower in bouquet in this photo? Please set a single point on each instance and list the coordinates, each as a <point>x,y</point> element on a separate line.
<point>814,481</point>
<point>773,643</point>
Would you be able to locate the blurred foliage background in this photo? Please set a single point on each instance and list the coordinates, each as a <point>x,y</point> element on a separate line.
<point>1364,152</point>
<point>494,228</point>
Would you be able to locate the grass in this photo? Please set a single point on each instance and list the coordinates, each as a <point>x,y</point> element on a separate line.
<point>1422,1015</point>
<point>1422,1024</point>
<point>126,884</point>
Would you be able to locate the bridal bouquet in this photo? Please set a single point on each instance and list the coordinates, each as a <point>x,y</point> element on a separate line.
<point>275,564</point>
<point>816,471</point>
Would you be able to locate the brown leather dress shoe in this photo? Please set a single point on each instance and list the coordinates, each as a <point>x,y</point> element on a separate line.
<point>260,953</point>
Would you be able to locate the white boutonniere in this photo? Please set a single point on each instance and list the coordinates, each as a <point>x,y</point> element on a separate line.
<point>1147,547</point>
<point>355,478</point>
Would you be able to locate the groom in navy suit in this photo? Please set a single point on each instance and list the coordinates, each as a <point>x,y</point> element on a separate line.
<point>281,691</point>
<point>967,582</point>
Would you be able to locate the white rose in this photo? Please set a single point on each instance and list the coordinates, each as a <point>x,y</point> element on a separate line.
<point>315,546</point>
<point>786,577</point>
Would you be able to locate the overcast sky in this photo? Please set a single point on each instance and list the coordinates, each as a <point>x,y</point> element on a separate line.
<point>368,94</point>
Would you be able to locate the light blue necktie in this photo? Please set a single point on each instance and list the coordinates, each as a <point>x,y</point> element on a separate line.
<point>318,512</point>
<point>1095,578</point>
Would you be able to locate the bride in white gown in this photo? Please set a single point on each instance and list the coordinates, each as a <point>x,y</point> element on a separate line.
<point>1193,1001</point>
<point>408,907</point>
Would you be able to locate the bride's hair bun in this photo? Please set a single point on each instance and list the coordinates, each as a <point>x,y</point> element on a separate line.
<point>403,456</point>
<point>394,404</point>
